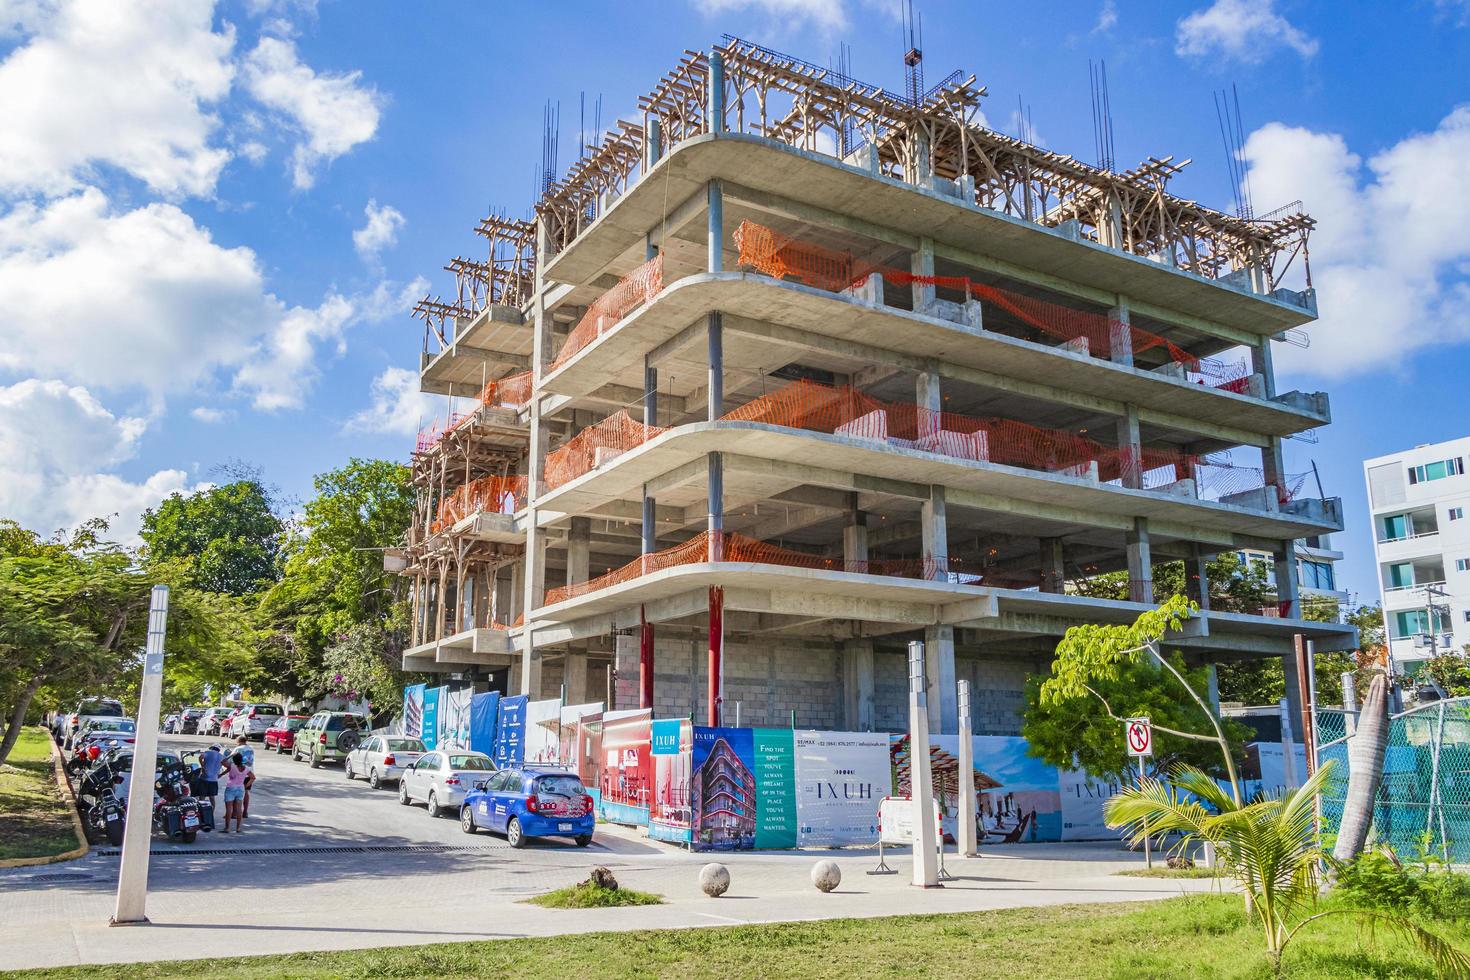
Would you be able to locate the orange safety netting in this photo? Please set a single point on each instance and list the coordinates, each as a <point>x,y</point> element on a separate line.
<point>632,291</point>
<point>733,547</point>
<point>487,495</point>
<point>594,446</point>
<point>430,434</point>
<point>768,251</point>
<point>512,391</point>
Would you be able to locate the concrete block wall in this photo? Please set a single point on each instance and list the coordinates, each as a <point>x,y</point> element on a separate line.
<point>997,692</point>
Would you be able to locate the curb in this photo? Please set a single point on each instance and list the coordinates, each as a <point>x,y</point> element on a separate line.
<point>68,795</point>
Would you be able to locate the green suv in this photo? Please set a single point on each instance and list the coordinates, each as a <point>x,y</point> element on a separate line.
<point>328,736</point>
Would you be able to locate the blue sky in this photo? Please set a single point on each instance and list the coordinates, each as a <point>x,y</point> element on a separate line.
<point>212,214</point>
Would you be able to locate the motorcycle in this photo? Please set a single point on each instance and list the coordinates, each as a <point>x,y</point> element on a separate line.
<point>177,813</point>
<point>105,814</point>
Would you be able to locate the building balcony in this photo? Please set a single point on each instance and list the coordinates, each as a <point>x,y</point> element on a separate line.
<point>766,318</point>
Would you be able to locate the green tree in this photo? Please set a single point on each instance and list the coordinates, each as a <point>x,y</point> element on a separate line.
<point>333,579</point>
<point>229,535</point>
<point>1451,671</point>
<point>73,613</point>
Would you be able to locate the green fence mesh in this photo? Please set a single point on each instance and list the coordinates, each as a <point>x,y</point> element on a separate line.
<point>1425,795</point>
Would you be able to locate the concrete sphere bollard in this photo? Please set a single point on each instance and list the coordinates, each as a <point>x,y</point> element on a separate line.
<point>826,875</point>
<point>714,880</point>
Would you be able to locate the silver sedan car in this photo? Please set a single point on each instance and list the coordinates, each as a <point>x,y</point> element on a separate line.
<point>382,758</point>
<point>441,779</point>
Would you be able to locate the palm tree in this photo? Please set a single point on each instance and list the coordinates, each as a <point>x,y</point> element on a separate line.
<point>1366,749</point>
<point>1270,848</point>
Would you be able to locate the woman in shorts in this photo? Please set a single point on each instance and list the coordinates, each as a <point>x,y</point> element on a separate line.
<point>235,774</point>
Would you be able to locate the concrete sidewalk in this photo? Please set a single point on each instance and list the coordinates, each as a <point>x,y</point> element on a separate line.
<point>205,904</point>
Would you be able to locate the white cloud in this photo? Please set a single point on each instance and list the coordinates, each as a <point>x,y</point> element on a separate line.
<point>380,231</point>
<point>56,441</point>
<point>120,83</point>
<point>210,416</point>
<point>826,15</point>
<point>1107,17</point>
<point>146,300</point>
<point>1390,247</point>
<point>333,113</point>
<point>1241,30</point>
<point>398,406</point>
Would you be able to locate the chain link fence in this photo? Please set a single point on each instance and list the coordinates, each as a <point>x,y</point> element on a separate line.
<point>1425,794</point>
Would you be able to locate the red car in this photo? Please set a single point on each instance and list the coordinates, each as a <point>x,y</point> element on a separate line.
<point>282,735</point>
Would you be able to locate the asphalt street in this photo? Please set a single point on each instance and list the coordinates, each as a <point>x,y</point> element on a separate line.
<point>325,863</point>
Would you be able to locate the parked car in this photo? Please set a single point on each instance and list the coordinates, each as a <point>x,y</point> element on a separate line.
<point>282,735</point>
<point>382,758</point>
<point>189,720</point>
<point>252,720</point>
<point>441,779</point>
<point>210,721</point>
<point>526,803</point>
<point>169,725</point>
<point>89,708</point>
<point>99,731</point>
<point>328,736</point>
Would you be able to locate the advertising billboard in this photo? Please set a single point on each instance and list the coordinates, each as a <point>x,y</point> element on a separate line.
<point>840,779</point>
<point>672,749</point>
<point>510,731</point>
<point>413,710</point>
<point>484,711</point>
<point>627,766</point>
<point>430,733</point>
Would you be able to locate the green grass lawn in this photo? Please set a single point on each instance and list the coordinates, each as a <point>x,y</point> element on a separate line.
<point>34,817</point>
<point>1189,937</point>
<point>1159,871</point>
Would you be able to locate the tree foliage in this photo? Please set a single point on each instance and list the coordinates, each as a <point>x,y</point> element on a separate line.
<point>333,579</point>
<point>228,536</point>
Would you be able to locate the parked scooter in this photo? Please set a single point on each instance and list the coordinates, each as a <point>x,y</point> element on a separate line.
<point>104,812</point>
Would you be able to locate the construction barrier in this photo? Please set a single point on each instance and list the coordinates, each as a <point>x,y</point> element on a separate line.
<point>512,391</point>
<point>631,292</point>
<point>768,251</point>
<point>487,495</point>
<point>594,446</point>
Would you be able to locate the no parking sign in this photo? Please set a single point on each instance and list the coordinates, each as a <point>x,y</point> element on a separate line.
<point>1140,737</point>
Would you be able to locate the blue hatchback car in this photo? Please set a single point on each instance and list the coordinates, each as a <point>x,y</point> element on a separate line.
<point>530,802</point>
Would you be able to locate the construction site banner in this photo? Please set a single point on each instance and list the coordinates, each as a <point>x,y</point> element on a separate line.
<point>627,770</point>
<point>484,709</point>
<point>430,733</point>
<point>510,731</point>
<point>840,778</point>
<point>572,746</point>
<point>413,710</point>
<point>673,753</point>
<point>454,718</point>
<point>543,725</point>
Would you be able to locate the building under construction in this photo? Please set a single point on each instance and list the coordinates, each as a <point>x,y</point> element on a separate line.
<point>791,370</point>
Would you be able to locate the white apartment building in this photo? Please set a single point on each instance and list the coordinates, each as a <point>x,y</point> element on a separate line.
<point>1421,540</point>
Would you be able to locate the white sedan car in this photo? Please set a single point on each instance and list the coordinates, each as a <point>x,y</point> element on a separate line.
<point>441,779</point>
<point>382,758</point>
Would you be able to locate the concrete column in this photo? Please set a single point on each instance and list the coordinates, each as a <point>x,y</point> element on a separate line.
<point>439,601</point>
<point>1120,334</point>
<point>926,835</point>
<point>1140,563</point>
<point>1212,691</point>
<point>1197,578</point>
<point>923,265</point>
<point>653,142</point>
<point>715,97</point>
<point>716,227</point>
<point>716,513</point>
<point>650,417</point>
<point>1286,583</point>
<point>966,837</point>
<point>934,528</point>
<point>579,550</point>
<point>530,666</point>
<point>516,607</point>
<point>923,164</point>
<point>1262,364</point>
<point>533,579</point>
<point>855,538</point>
<point>1128,440</point>
<point>939,679</point>
<point>930,400</point>
<point>625,666</point>
<point>857,685</point>
<point>1053,567</point>
<point>715,697</point>
<point>1273,463</point>
<point>574,675</point>
<point>715,346</point>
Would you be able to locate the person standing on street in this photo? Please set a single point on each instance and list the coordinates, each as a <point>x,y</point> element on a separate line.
<point>248,754</point>
<point>235,774</point>
<point>210,762</point>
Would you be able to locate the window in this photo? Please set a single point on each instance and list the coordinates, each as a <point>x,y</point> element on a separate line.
<point>1395,527</point>
<point>1456,513</point>
<point>1438,470</point>
<point>1410,622</point>
<point>1318,575</point>
<point>1462,564</point>
<point>1401,575</point>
